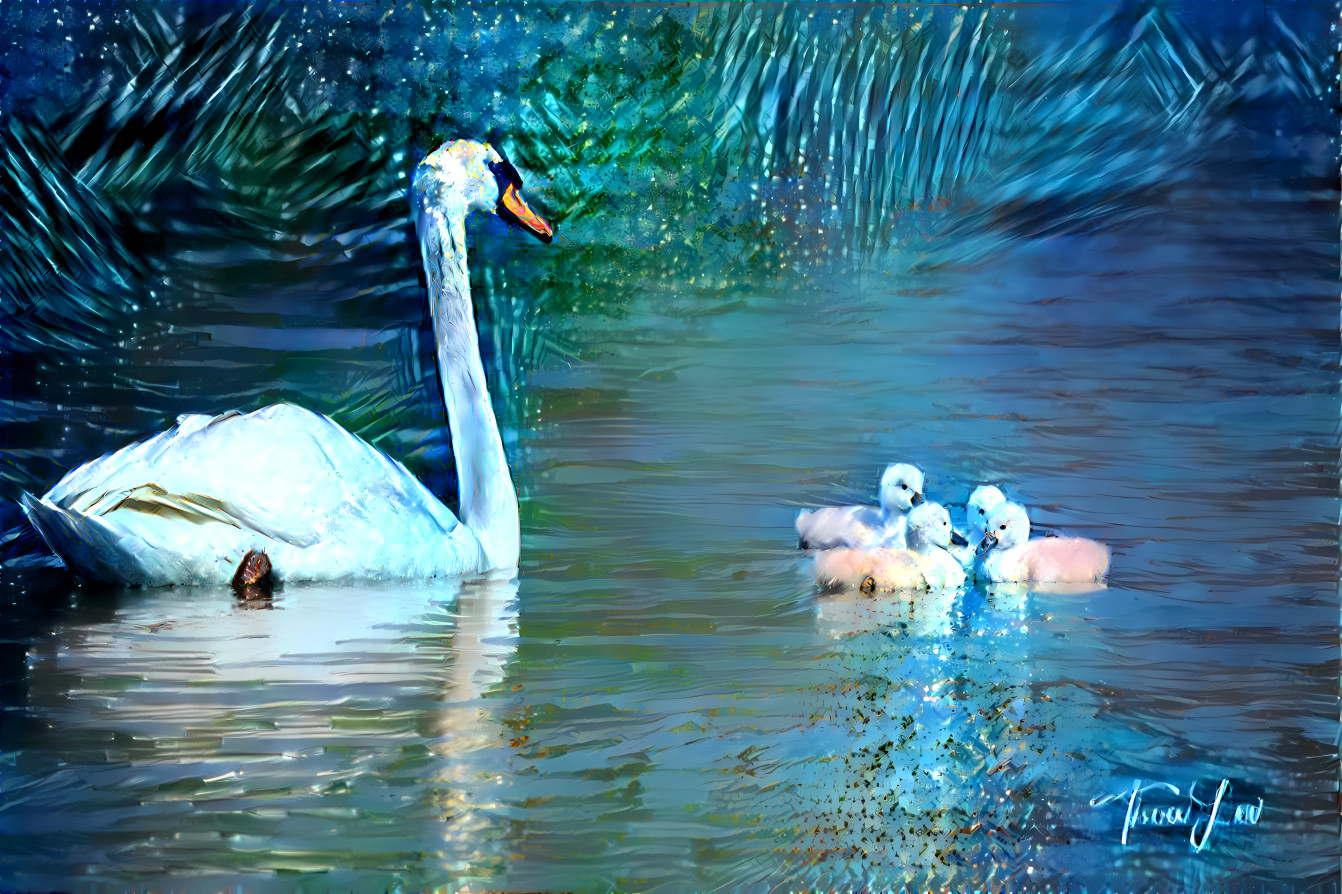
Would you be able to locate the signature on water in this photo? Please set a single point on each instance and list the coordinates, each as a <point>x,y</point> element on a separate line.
<point>1154,804</point>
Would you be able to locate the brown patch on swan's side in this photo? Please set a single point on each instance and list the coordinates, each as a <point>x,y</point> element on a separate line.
<point>252,580</point>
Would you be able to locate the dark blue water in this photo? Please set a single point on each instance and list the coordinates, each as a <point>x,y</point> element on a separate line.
<point>662,701</point>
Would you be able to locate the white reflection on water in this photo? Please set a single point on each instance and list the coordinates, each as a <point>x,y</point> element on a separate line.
<point>269,735</point>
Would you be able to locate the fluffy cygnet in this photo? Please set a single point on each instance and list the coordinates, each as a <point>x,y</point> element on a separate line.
<point>864,527</point>
<point>930,537</point>
<point>984,498</point>
<point>1010,554</point>
<point>867,569</point>
<point>924,564</point>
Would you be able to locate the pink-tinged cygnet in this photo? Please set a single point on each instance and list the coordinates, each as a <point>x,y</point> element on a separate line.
<point>925,564</point>
<point>1012,556</point>
<point>845,568</point>
<point>930,537</point>
<point>984,498</point>
<point>864,527</point>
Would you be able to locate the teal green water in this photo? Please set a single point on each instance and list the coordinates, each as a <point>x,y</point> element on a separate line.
<point>662,701</point>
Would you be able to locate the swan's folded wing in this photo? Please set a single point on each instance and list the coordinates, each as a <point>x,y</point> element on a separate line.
<point>283,471</point>
<point>191,508</point>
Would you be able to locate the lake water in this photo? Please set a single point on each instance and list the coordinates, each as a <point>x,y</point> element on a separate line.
<point>663,702</point>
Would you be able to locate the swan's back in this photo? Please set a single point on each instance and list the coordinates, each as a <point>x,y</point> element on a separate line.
<point>320,501</point>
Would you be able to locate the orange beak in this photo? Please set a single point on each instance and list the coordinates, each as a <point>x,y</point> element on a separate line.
<point>517,206</point>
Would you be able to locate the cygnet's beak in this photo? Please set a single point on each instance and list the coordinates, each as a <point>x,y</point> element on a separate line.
<point>521,212</point>
<point>989,541</point>
<point>915,499</point>
<point>958,539</point>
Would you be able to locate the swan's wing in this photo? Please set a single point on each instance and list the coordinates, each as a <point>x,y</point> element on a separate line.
<point>185,505</point>
<point>191,508</point>
<point>282,471</point>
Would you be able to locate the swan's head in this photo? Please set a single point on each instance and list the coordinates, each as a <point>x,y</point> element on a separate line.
<point>930,525</point>
<point>462,176</point>
<point>901,488</point>
<point>1007,526</point>
<point>983,500</point>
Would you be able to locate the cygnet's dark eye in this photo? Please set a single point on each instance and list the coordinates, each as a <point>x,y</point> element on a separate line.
<point>1003,528</point>
<point>903,487</point>
<point>981,512</point>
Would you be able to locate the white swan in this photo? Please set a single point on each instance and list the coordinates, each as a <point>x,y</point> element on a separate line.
<point>185,506</point>
<point>861,527</point>
<point>1010,554</point>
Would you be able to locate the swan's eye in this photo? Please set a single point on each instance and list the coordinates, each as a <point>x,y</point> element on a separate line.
<point>1003,528</point>
<point>981,512</point>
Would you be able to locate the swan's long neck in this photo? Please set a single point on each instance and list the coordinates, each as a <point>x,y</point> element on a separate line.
<point>488,499</point>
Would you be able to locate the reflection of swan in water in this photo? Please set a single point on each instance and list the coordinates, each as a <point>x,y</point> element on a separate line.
<point>185,506</point>
<point>367,715</point>
<point>1012,556</point>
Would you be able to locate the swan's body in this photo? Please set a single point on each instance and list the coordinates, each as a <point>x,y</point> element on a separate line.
<point>865,527</point>
<point>924,564</point>
<point>982,500</point>
<point>1012,556</point>
<point>185,506</point>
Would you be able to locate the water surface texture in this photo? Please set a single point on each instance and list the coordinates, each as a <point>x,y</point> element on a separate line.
<point>661,700</point>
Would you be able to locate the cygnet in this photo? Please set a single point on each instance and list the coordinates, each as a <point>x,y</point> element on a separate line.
<point>1010,555</point>
<point>863,527</point>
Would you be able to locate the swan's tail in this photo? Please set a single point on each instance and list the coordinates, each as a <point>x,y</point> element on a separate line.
<point>85,543</point>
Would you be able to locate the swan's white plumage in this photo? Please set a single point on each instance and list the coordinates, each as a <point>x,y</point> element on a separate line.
<point>185,506</point>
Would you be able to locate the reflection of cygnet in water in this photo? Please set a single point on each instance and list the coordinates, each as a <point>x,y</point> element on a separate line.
<point>865,526</point>
<point>1010,554</point>
<point>925,564</point>
<point>853,612</point>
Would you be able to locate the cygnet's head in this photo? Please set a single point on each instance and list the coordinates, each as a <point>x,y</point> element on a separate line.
<point>984,499</point>
<point>930,525</point>
<point>463,175</point>
<point>901,488</point>
<point>1007,526</point>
